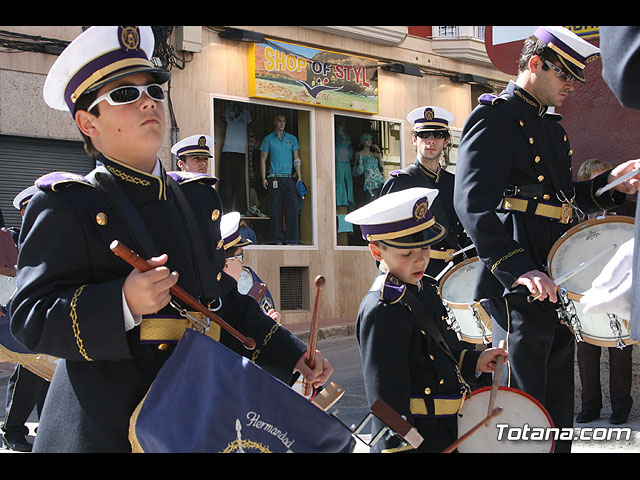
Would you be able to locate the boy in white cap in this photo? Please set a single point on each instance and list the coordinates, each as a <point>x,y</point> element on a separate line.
<point>515,196</point>
<point>235,267</point>
<point>193,153</point>
<point>406,361</point>
<point>112,325</point>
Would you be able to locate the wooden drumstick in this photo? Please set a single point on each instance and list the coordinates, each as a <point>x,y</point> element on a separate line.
<point>496,411</point>
<point>495,385</point>
<point>313,336</point>
<point>142,265</point>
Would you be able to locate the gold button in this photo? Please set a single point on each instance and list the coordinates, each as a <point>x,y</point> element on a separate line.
<point>427,391</point>
<point>431,357</point>
<point>219,276</point>
<point>546,196</point>
<point>540,178</point>
<point>101,218</point>
<point>537,159</point>
<point>565,138</point>
<point>531,140</point>
<point>521,123</point>
<point>215,214</point>
<point>570,152</point>
<point>442,381</point>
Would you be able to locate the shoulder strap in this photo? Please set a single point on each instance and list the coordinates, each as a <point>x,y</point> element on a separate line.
<point>109,188</point>
<point>425,320</point>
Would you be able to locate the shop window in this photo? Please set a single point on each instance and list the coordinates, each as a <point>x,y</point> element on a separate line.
<point>240,130</point>
<point>366,151</point>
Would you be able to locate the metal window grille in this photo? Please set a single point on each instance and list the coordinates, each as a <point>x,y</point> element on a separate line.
<point>293,288</point>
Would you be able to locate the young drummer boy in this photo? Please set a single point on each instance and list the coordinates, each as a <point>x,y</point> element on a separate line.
<point>399,326</point>
<point>113,326</point>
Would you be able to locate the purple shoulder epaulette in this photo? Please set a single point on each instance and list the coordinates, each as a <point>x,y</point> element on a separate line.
<point>489,99</point>
<point>392,289</point>
<point>397,173</point>
<point>186,177</point>
<point>55,181</point>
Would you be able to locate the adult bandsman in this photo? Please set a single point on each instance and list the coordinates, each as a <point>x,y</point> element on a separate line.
<point>431,136</point>
<point>112,325</point>
<point>515,196</point>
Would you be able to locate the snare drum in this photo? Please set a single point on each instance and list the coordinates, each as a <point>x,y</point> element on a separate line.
<point>576,245</point>
<point>468,318</point>
<point>524,426</point>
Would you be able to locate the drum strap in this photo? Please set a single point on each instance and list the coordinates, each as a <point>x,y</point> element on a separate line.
<point>426,322</point>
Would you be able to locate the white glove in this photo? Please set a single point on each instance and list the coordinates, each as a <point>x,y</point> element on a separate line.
<point>610,291</point>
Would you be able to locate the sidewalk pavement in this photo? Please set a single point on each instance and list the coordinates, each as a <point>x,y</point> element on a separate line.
<point>339,345</point>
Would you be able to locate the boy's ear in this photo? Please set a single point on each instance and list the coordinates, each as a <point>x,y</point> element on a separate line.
<point>85,122</point>
<point>375,251</point>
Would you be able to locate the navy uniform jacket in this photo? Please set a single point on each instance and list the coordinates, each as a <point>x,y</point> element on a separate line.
<point>69,301</point>
<point>508,141</point>
<point>403,365</point>
<point>416,175</point>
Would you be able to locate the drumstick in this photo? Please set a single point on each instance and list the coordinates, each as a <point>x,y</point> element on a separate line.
<point>313,336</point>
<point>617,182</point>
<point>496,411</point>
<point>463,250</point>
<point>497,374</point>
<point>140,264</point>
<point>563,278</point>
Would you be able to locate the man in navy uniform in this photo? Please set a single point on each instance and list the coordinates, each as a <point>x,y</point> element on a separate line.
<point>113,327</point>
<point>515,196</point>
<point>431,135</point>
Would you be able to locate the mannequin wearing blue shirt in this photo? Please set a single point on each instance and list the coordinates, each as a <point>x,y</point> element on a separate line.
<point>283,150</point>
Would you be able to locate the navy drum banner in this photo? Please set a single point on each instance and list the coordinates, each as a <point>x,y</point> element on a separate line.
<point>208,399</point>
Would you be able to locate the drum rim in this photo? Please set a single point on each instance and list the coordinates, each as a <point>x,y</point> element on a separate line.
<point>446,276</point>
<point>521,392</point>
<point>577,228</point>
<point>526,395</point>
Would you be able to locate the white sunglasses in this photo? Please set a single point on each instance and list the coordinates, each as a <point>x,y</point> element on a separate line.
<point>130,93</point>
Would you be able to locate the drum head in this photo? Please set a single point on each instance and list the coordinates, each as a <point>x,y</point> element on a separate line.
<point>457,286</point>
<point>505,433</point>
<point>583,242</point>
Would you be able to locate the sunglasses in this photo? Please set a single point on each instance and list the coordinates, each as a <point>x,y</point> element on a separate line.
<point>437,134</point>
<point>562,74</point>
<point>240,258</point>
<point>129,94</point>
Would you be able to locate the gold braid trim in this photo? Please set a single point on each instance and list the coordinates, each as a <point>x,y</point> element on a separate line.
<point>74,323</point>
<point>593,196</point>
<point>128,178</point>
<point>506,257</point>
<point>273,330</point>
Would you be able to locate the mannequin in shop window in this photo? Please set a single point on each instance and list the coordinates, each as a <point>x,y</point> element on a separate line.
<point>233,159</point>
<point>282,150</point>
<point>369,162</point>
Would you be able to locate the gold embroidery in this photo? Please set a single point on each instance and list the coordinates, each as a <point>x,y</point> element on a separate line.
<point>267,337</point>
<point>74,323</point>
<point>128,178</point>
<point>507,256</point>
